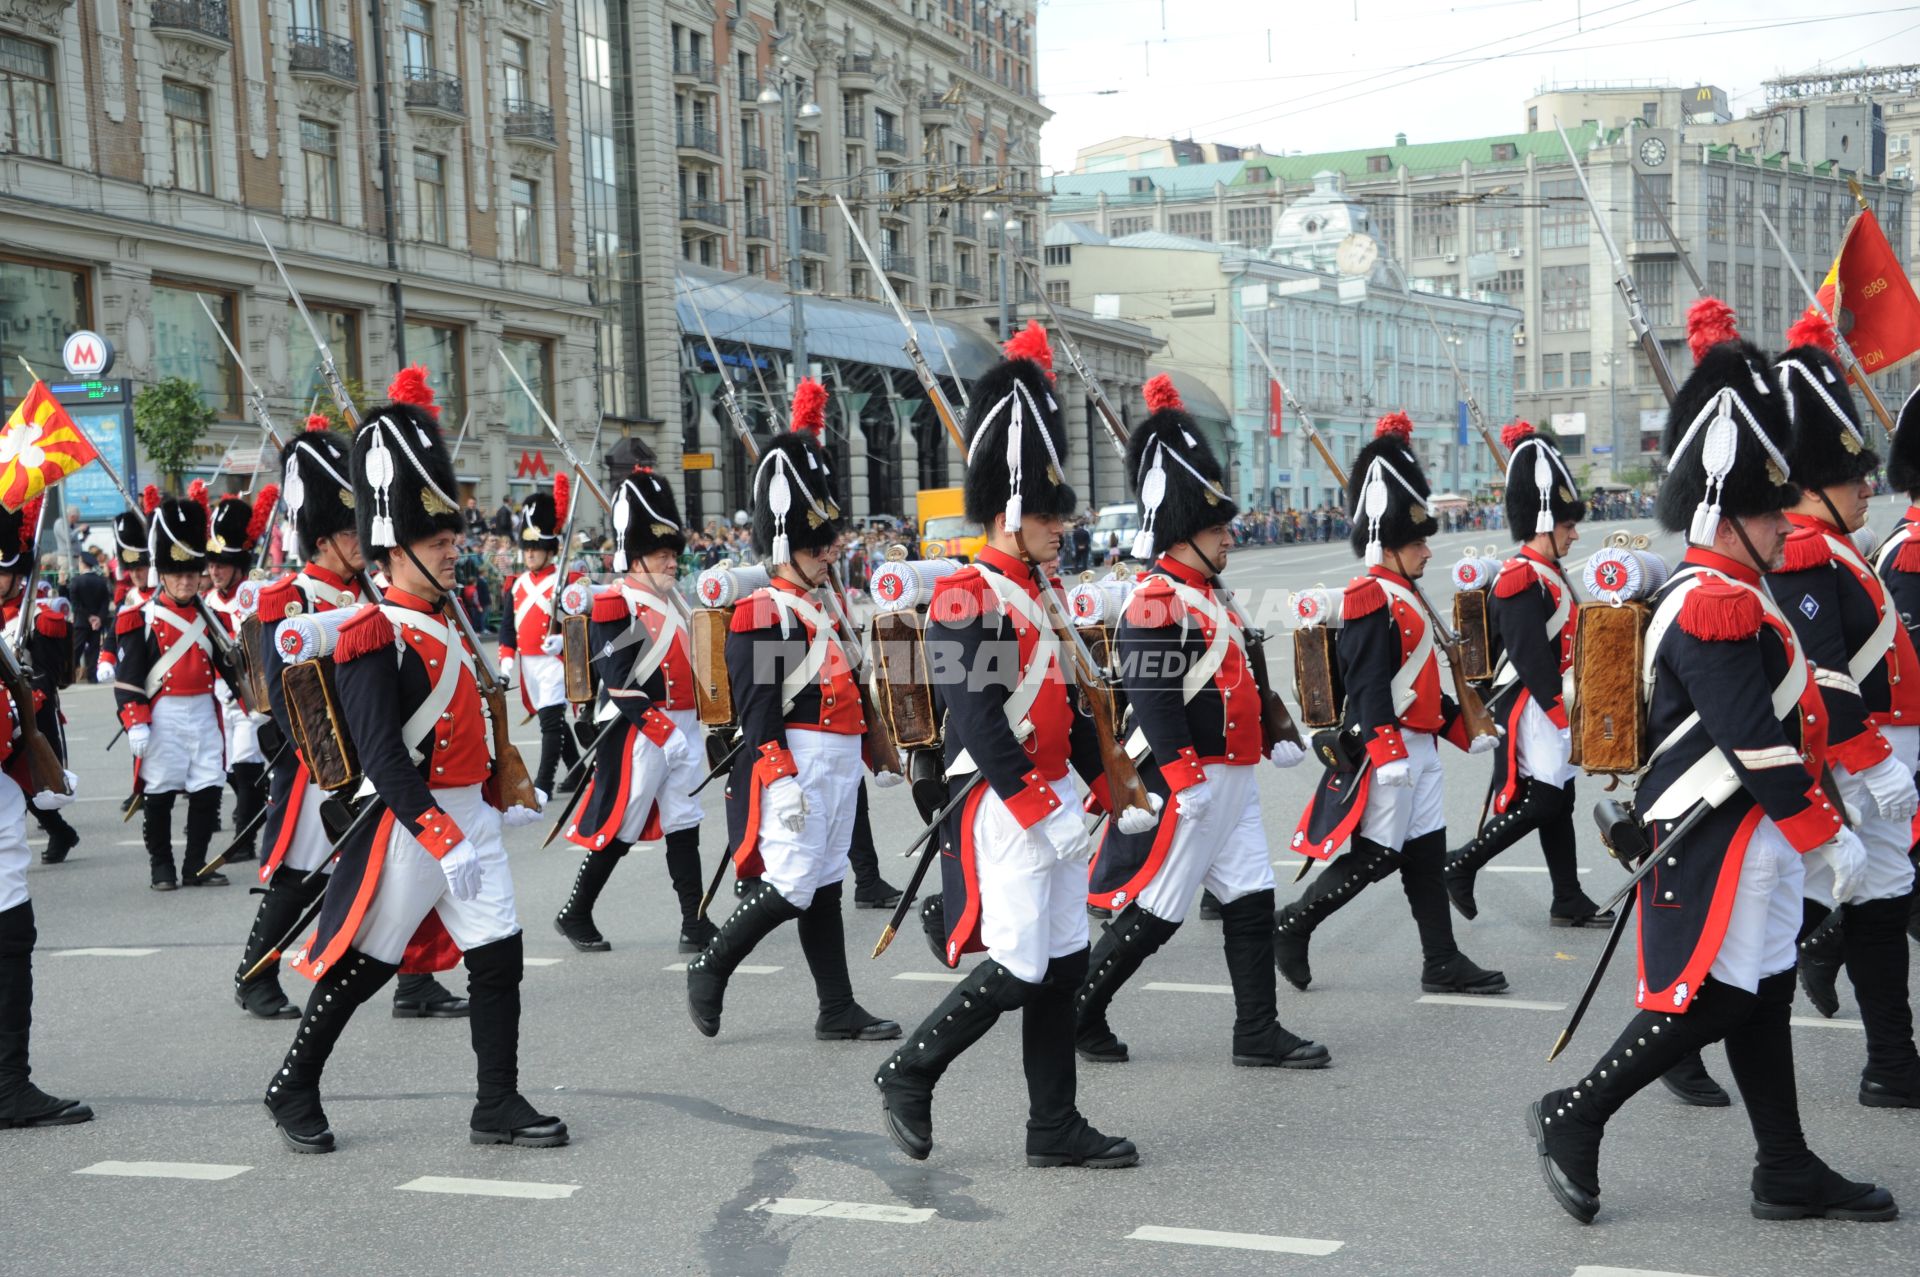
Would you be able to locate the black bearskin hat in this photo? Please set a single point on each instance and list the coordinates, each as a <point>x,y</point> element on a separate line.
<point>1180,483</point>
<point>1538,481</point>
<point>403,485</point>
<point>1727,435</point>
<point>796,499</point>
<point>1829,446</point>
<point>1387,492</point>
<point>237,524</point>
<point>1020,387</point>
<point>130,531</point>
<point>645,518</point>
<point>1903,454</point>
<point>542,517</point>
<point>177,533</point>
<point>316,481</point>
<point>17,531</point>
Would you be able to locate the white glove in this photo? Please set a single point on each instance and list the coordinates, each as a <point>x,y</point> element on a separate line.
<point>137,737</point>
<point>1064,831</point>
<point>1891,785</point>
<point>259,719</point>
<point>506,667</point>
<point>1286,754</point>
<point>1847,856</point>
<point>462,869</point>
<point>1483,744</point>
<point>552,644</point>
<point>1394,775</point>
<point>887,780</point>
<point>103,672</point>
<point>53,799</point>
<point>786,802</point>
<point>1137,820</point>
<point>516,815</point>
<point>1194,800</point>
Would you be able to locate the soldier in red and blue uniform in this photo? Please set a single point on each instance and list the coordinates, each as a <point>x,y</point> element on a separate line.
<point>237,524</point>
<point>1740,731</point>
<point>132,570</point>
<point>49,648</point>
<point>530,636</point>
<point>1182,657</point>
<point>425,882</point>
<point>1013,855</point>
<point>1898,559</point>
<point>1385,793</point>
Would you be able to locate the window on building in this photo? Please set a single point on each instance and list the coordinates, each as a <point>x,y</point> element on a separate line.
<point>1743,298</point>
<point>310,15</point>
<point>1511,284</point>
<point>1564,220</point>
<point>1139,186</point>
<point>1436,230</point>
<point>28,125</point>
<point>1655,277</point>
<point>341,328</point>
<point>516,62</point>
<point>442,349</point>
<point>183,346</point>
<point>1379,164</point>
<point>189,137</point>
<point>1250,223</point>
<point>1193,225</point>
<point>1580,368</point>
<point>320,154</point>
<point>1743,211</point>
<point>1770,205</point>
<point>532,358</point>
<point>40,303</point>
<point>1496,227</point>
<point>1120,226</point>
<point>1651,194</point>
<point>416,21</point>
<point>756,260</point>
<point>1650,113</point>
<point>1380,221</point>
<point>1504,152</point>
<point>1259,173</point>
<point>1796,219</point>
<point>1553,372</point>
<point>429,197</point>
<point>1717,279</point>
<point>1573,445</point>
<point>524,196</point>
<point>1716,187</point>
<point>1533,119</point>
<point>1059,255</point>
<point>1771,300</point>
<point>1564,296</point>
<point>1823,223</point>
<point>1519,371</point>
<point>1059,292</point>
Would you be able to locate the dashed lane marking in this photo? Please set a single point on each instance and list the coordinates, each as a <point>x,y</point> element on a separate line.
<point>1522,869</point>
<point>743,969</point>
<point>1816,1022</point>
<point>542,962</point>
<point>867,1212</point>
<point>1600,1270</point>
<point>103,953</point>
<point>131,842</point>
<point>1168,986</point>
<point>165,1170</point>
<point>933,977</point>
<point>488,1187</point>
<point>1476,1000</point>
<point>1234,1241</point>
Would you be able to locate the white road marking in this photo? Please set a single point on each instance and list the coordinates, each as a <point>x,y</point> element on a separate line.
<point>542,962</point>
<point>865,1211</point>
<point>1522,869</point>
<point>1167,986</point>
<point>1818,1022</point>
<point>103,953</point>
<point>1234,1241</point>
<point>742,969</point>
<point>1475,1000</point>
<point>131,842</point>
<point>165,1170</point>
<point>1600,1270</point>
<point>488,1187</point>
<point>933,977</point>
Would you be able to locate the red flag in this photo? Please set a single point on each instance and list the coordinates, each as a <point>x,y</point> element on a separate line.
<point>1276,403</point>
<point>1871,299</point>
<point>41,446</point>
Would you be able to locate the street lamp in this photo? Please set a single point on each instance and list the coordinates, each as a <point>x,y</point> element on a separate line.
<point>771,96</point>
<point>1009,236</point>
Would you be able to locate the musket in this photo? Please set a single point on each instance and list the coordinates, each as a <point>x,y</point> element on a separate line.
<point>921,368</point>
<point>735,414</point>
<point>43,765</point>
<point>1847,357</point>
<point>966,400</point>
<point>920,870</point>
<point>566,542</point>
<point>454,454</point>
<point>1623,278</point>
<point>253,824</point>
<point>256,397</point>
<point>1659,208</point>
<point>1109,415</point>
<point>329,370</point>
<point>726,760</point>
<point>1299,410</point>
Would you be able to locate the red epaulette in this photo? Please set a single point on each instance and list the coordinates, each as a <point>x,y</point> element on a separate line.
<point>1152,604</point>
<point>1907,557</point>
<point>1720,612</point>
<point>1515,576</point>
<point>755,612</point>
<point>611,606</point>
<point>506,586</point>
<point>368,631</point>
<point>1362,598</point>
<point>51,624</point>
<point>1807,549</point>
<point>962,597</point>
<point>274,599</point>
<point>129,620</point>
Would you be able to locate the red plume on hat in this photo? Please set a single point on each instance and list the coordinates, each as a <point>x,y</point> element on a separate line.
<point>1031,343</point>
<point>150,499</point>
<point>197,491</point>
<point>1160,392</point>
<point>810,408</point>
<point>1395,424</point>
<point>262,511</point>
<point>30,520</point>
<point>1812,329</point>
<point>318,421</point>
<point>1710,321</point>
<point>562,498</point>
<point>409,386</point>
<point>1514,432</point>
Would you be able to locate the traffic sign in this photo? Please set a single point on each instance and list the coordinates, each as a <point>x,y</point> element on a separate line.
<point>87,354</point>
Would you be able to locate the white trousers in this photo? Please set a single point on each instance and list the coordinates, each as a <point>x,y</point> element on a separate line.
<point>664,775</point>
<point>243,738</point>
<point>797,865</point>
<point>1396,815</point>
<point>1545,752</point>
<point>1765,921</point>
<point>1889,871</point>
<point>186,749</point>
<point>411,886</point>
<point>309,848</point>
<point>14,856</point>
<point>544,678</point>
<point>1225,850</point>
<point>1033,905</point>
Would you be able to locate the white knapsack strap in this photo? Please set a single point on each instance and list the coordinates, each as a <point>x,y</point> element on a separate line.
<point>318,591</point>
<point>796,681</point>
<point>529,595</point>
<point>1505,673</point>
<point>1026,692</point>
<point>446,679</point>
<point>655,653</point>
<point>1878,643</point>
<point>192,634</point>
<point>1225,635</point>
<point>1408,674</point>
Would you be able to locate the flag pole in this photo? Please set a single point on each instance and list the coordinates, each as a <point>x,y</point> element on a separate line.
<point>1845,351</point>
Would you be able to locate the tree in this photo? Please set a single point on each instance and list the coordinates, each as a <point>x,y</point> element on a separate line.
<point>169,418</point>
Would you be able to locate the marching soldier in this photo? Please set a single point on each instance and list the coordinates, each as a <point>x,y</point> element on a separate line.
<point>791,798</point>
<point>1013,854</point>
<point>1731,687</point>
<point>650,766</point>
<point>1898,560</point>
<point>1869,678</point>
<point>1196,705</point>
<point>164,674</point>
<point>49,649</point>
<point>132,584</point>
<point>529,639</point>
<point>1386,796</point>
<point>428,879</point>
<point>237,525</point>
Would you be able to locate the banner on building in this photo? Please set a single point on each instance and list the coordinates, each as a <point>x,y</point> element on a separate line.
<point>1276,405</point>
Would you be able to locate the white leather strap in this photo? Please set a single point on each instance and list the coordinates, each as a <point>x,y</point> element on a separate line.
<point>1225,634</point>
<point>1404,678</point>
<point>530,595</point>
<point>192,634</point>
<point>821,634</point>
<point>1874,650</point>
<point>446,676</point>
<point>1033,676</point>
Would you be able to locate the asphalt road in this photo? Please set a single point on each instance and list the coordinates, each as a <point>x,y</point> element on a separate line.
<point>761,1151</point>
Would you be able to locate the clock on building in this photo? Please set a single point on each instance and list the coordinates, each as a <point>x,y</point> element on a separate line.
<point>1653,152</point>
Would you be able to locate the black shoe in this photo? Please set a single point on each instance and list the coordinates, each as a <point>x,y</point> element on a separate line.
<point>1577,1201</point>
<point>264,999</point>
<point>1821,955</point>
<point>575,919</point>
<point>856,1024</point>
<point>1290,948</point>
<point>515,1122</point>
<point>163,884</point>
<point>302,1123</point>
<point>1459,975</point>
<point>1901,1094</point>
<point>421,997</point>
<point>1086,1147</point>
<point>582,935</point>
<point>1578,911</point>
<point>194,878</point>
<point>1829,1195</point>
<point>695,935</point>
<point>908,1111</point>
<point>59,843</point>
<point>907,1079</point>
<point>880,894</point>
<point>29,1106</point>
<point>1283,1050</point>
<point>1459,877</point>
<point>1692,1084</point>
<point>707,975</point>
<point>1209,907</point>
<point>1098,1044</point>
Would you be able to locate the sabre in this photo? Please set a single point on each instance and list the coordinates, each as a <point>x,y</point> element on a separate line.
<point>920,870</point>
<point>1847,357</point>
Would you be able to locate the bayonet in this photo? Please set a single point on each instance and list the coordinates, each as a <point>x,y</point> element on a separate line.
<point>1659,208</point>
<point>735,413</point>
<point>329,371</point>
<point>1109,415</point>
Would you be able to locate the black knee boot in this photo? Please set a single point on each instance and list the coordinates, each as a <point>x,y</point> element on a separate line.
<point>1572,906</point>
<point>1443,968</point>
<point>707,975</point>
<point>1822,951</point>
<point>203,812</point>
<point>1568,1124</point>
<point>1057,1135</point>
<point>683,871</point>
<point>501,1115</point>
<point>156,827</point>
<point>1876,956</point>
<point>62,838</point>
<point>1127,941</point>
<point>1293,926</point>
<point>870,890</point>
<point>293,1097</point>
<point>1789,1181</point>
<point>575,919</point>
<point>1259,1039</point>
<point>555,741</point>
<point>907,1079</point>
<point>249,782</point>
<point>21,1102</point>
<point>1533,806</point>
<point>287,897</point>
<point>1690,1083</point>
<point>823,939</point>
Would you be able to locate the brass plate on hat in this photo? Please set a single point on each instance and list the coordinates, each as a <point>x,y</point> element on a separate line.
<point>660,529</point>
<point>1848,442</point>
<point>346,498</point>
<point>1420,515</point>
<point>1053,476</point>
<point>813,518</point>
<point>180,553</point>
<point>1566,498</point>
<point>217,544</point>
<point>1775,475</point>
<point>430,501</point>
<point>529,533</point>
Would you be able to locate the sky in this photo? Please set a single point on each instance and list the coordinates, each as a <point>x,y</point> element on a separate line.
<point>1343,74</point>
